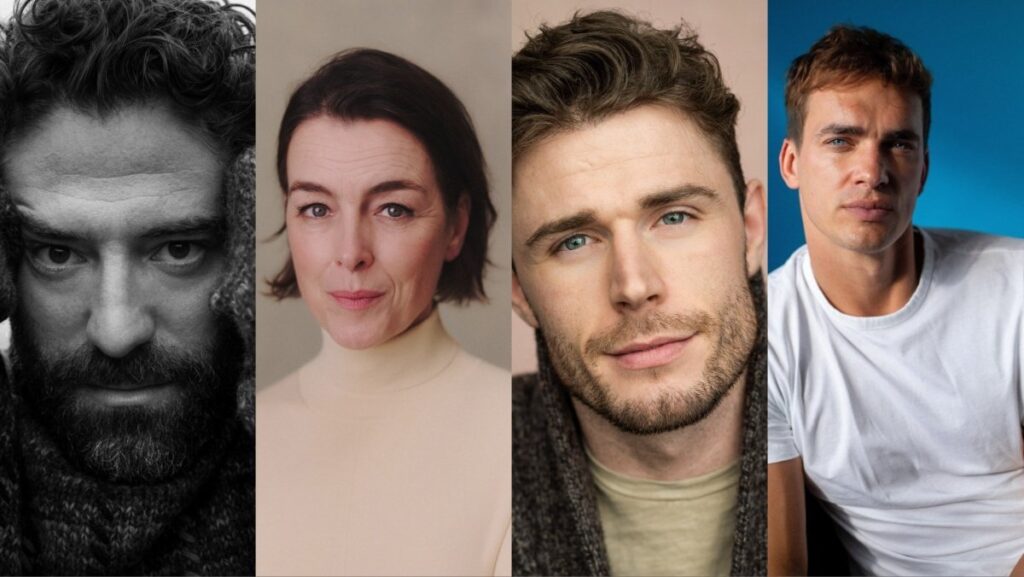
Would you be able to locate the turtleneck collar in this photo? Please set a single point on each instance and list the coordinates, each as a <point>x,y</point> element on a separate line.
<point>410,359</point>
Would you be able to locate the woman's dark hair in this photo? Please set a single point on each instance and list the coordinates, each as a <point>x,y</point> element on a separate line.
<point>101,55</point>
<point>365,84</point>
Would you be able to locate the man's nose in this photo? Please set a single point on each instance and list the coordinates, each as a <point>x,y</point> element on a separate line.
<point>353,245</point>
<point>636,281</point>
<point>120,319</point>
<point>871,168</point>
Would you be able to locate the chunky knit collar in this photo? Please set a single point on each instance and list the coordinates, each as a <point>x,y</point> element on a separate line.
<point>76,524</point>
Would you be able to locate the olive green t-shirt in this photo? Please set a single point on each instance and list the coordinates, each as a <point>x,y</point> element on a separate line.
<point>668,528</point>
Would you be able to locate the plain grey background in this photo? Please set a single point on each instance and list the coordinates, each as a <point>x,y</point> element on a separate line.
<point>462,42</point>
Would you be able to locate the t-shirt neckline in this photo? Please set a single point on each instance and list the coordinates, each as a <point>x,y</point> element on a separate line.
<point>882,321</point>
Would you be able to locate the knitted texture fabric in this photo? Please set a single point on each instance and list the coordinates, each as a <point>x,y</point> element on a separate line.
<point>554,505</point>
<point>55,519</point>
<point>236,295</point>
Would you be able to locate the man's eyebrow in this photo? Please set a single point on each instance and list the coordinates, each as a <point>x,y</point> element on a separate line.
<point>836,129</point>
<point>685,192</point>
<point>189,226</point>
<point>578,220</point>
<point>39,228</point>
<point>850,130</point>
<point>379,188</point>
<point>905,134</point>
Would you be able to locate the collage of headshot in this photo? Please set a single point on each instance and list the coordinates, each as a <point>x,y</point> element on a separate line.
<point>511,287</point>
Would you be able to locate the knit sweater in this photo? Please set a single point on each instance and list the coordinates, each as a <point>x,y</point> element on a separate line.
<point>56,519</point>
<point>554,507</point>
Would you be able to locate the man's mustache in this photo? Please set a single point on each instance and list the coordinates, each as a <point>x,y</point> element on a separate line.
<point>653,325</point>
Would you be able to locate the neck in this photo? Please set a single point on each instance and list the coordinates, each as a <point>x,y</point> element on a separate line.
<point>411,358</point>
<point>867,285</point>
<point>701,448</point>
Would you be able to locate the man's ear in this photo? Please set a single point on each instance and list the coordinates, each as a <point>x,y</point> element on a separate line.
<point>924,173</point>
<point>789,165</point>
<point>460,224</point>
<point>755,225</point>
<point>520,304</point>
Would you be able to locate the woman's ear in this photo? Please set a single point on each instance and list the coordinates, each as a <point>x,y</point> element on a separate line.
<point>460,224</point>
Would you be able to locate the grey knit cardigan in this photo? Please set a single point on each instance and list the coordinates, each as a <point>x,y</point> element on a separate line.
<point>556,529</point>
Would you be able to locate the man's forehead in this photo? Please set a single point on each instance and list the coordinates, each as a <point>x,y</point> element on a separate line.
<point>127,171</point>
<point>143,138</point>
<point>622,159</point>
<point>870,97</point>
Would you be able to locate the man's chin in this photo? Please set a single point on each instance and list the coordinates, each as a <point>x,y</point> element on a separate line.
<point>662,408</point>
<point>128,442</point>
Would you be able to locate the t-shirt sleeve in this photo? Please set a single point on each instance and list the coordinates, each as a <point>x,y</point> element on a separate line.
<point>781,445</point>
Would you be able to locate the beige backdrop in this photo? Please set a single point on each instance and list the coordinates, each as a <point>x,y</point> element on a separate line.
<point>462,42</point>
<point>736,31</point>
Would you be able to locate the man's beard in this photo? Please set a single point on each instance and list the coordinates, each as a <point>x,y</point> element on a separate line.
<point>129,444</point>
<point>734,331</point>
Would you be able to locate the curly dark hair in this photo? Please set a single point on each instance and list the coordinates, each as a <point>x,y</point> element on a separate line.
<point>101,55</point>
<point>603,63</point>
<point>367,84</point>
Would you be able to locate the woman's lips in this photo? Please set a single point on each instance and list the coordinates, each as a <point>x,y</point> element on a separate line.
<point>651,354</point>
<point>356,300</point>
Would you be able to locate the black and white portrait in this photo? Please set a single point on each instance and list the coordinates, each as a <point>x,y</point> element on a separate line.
<point>126,287</point>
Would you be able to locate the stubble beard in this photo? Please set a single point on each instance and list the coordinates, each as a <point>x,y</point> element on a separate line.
<point>733,329</point>
<point>132,444</point>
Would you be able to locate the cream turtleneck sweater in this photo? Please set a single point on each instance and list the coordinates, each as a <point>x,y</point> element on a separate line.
<point>389,461</point>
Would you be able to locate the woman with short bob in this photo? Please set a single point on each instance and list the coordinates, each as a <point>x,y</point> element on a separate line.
<point>389,452</point>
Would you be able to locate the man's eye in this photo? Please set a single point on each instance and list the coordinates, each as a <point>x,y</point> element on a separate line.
<point>574,242</point>
<point>314,210</point>
<point>53,258</point>
<point>58,254</point>
<point>180,253</point>
<point>837,142</point>
<point>675,217</point>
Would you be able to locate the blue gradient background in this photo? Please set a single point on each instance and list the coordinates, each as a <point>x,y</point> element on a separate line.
<point>975,51</point>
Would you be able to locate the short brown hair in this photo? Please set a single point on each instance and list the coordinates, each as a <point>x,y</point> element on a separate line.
<point>850,55</point>
<point>367,84</point>
<point>603,63</point>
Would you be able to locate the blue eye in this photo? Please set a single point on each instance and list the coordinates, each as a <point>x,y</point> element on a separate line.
<point>675,217</point>
<point>314,210</point>
<point>574,242</point>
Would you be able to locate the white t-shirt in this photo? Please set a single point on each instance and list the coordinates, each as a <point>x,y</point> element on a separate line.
<point>910,424</point>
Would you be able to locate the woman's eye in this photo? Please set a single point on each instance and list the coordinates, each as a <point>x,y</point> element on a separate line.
<point>393,210</point>
<point>574,242</point>
<point>675,217</point>
<point>315,210</point>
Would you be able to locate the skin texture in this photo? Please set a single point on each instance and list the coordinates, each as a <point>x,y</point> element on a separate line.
<point>861,143</point>
<point>121,220</point>
<point>787,533</point>
<point>646,263</point>
<point>349,230</point>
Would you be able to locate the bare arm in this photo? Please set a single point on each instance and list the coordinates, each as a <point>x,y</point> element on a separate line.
<point>1018,571</point>
<point>787,533</point>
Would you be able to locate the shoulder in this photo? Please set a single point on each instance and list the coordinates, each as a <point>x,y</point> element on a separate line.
<point>976,244</point>
<point>977,259</point>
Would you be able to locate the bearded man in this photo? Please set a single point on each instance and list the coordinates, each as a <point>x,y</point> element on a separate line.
<point>126,444</point>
